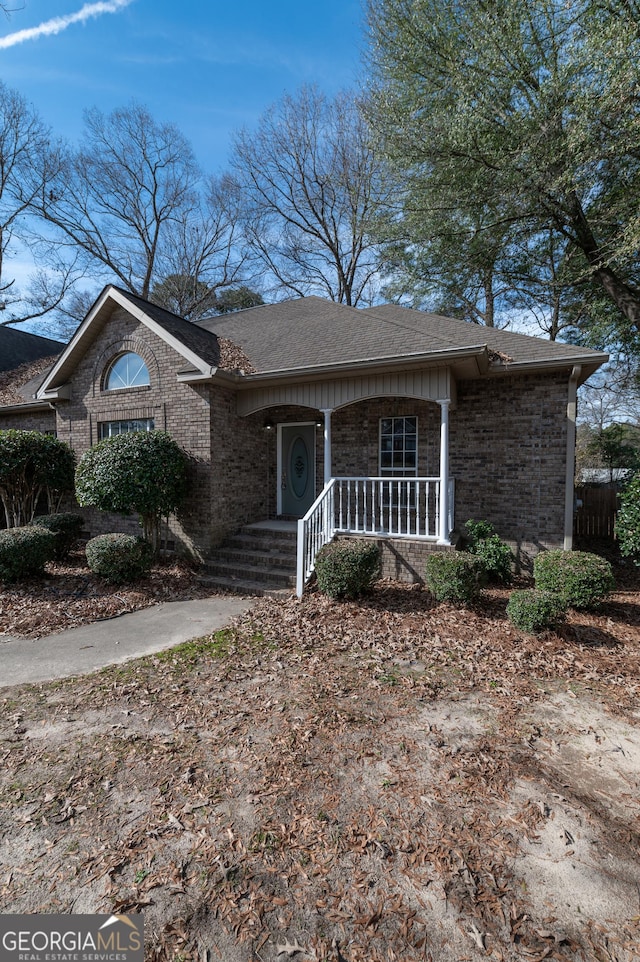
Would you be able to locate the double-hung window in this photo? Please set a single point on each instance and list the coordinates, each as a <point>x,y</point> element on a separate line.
<point>399,447</point>
<point>398,458</point>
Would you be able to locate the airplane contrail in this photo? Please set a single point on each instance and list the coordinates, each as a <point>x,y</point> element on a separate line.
<point>58,24</point>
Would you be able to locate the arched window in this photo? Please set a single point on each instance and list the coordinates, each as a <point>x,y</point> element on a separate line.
<point>127,370</point>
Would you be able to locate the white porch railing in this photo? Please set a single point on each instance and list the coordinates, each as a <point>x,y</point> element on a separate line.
<point>386,507</point>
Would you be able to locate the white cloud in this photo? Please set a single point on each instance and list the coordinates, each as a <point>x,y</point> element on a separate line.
<point>58,24</point>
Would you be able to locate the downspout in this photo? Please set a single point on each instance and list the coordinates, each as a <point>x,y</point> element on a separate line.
<point>569,496</point>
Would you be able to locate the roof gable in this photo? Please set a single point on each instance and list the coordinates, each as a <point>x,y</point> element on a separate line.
<point>199,348</point>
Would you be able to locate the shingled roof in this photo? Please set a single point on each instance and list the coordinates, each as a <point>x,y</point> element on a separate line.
<point>311,332</point>
<point>21,347</point>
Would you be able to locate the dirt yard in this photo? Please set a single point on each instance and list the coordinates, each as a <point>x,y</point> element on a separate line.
<point>384,780</point>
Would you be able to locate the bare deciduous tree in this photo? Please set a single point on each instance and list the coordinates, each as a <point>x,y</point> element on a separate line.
<point>202,254</point>
<point>24,173</point>
<point>309,181</point>
<point>116,200</point>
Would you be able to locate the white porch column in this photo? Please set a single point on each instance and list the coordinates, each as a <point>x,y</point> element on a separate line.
<point>443,533</point>
<point>327,444</point>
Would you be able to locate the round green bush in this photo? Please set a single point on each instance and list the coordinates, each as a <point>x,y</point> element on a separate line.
<point>628,521</point>
<point>67,529</point>
<point>25,551</point>
<point>348,568</point>
<point>581,579</point>
<point>455,576</point>
<point>119,558</point>
<point>485,544</point>
<point>534,611</point>
<point>496,556</point>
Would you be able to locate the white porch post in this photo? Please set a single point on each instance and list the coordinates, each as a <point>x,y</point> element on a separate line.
<point>327,444</point>
<point>443,533</point>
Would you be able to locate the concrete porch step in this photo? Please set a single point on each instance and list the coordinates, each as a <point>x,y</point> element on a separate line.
<point>281,577</point>
<point>238,586</point>
<point>264,557</point>
<point>260,559</point>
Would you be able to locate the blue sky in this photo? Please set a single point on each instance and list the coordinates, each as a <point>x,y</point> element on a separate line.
<point>208,67</point>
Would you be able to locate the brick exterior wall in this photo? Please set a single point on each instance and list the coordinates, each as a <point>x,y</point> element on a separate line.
<point>181,410</point>
<point>507,446</point>
<point>507,450</point>
<point>43,421</point>
<point>508,439</point>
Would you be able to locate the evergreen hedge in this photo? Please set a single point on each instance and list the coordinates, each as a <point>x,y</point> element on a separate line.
<point>628,521</point>
<point>580,578</point>
<point>533,611</point>
<point>67,529</point>
<point>455,576</point>
<point>487,545</point>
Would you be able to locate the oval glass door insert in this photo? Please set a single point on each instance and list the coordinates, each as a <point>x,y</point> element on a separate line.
<point>299,466</point>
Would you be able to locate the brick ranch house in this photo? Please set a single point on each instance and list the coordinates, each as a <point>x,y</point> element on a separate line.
<point>384,421</point>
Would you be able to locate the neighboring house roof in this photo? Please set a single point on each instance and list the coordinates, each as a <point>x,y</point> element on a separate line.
<point>310,335</point>
<point>20,385</point>
<point>21,347</point>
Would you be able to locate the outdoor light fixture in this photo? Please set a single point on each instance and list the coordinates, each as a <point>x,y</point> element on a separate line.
<point>269,425</point>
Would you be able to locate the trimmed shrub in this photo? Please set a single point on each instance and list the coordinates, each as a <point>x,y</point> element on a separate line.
<point>141,471</point>
<point>119,558</point>
<point>347,569</point>
<point>456,577</point>
<point>478,531</point>
<point>25,551</point>
<point>581,579</point>
<point>485,544</point>
<point>66,527</point>
<point>534,611</point>
<point>628,521</point>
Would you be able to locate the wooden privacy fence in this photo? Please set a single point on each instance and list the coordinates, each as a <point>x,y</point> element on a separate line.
<point>596,512</point>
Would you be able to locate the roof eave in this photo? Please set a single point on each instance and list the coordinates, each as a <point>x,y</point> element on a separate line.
<point>588,364</point>
<point>477,354</point>
<point>26,407</point>
<point>217,373</point>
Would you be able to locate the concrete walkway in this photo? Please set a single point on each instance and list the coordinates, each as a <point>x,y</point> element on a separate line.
<point>78,651</point>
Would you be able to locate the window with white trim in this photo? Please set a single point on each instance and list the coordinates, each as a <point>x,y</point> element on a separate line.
<point>109,429</point>
<point>126,370</point>
<point>399,447</point>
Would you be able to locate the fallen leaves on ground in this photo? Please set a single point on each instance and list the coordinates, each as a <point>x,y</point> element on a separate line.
<point>389,779</point>
<point>69,595</point>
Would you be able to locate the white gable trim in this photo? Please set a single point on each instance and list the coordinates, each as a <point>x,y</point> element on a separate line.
<point>53,384</point>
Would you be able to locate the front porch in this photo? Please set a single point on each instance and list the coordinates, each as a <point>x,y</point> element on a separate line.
<point>262,558</point>
<point>389,509</point>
